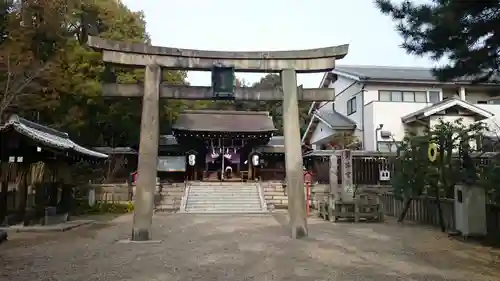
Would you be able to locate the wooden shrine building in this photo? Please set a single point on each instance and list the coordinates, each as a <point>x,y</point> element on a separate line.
<point>35,169</point>
<point>222,145</point>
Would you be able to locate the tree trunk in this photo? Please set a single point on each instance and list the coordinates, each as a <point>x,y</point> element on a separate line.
<point>23,194</point>
<point>440,212</point>
<point>53,194</point>
<point>4,191</point>
<point>66,202</point>
<point>402,216</point>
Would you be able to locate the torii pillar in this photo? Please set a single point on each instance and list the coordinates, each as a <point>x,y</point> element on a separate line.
<point>287,63</point>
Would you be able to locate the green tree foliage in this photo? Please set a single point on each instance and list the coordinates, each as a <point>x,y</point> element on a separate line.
<point>275,108</point>
<point>61,85</point>
<point>33,35</point>
<point>57,79</point>
<point>465,32</point>
<point>490,177</point>
<point>416,175</point>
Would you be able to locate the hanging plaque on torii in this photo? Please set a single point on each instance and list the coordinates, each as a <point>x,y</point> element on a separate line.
<point>223,80</point>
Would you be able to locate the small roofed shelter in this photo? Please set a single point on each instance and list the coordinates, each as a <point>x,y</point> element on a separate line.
<point>329,130</point>
<point>448,110</point>
<point>208,141</point>
<point>451,108</point>
<point>36,163</point>
<point>121,163</point>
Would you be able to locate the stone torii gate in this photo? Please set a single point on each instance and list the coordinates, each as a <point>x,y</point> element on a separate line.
<point>154,59</point>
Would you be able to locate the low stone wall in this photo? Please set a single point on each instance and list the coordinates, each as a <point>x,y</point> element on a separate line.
<point>110,193</point>
<point>319,193</point>
<point>167,198</point>
<point>276,195</point>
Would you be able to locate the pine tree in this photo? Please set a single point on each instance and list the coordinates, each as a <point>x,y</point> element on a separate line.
<point>467,33</point>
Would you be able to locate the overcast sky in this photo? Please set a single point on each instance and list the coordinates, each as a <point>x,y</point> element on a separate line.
<point>256,25</point>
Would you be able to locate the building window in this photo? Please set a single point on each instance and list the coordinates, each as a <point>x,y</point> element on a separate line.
<point>384,96</point>
<point>420,96</point>
<point>434,96</point>
<point>351,106</point>
<point>495,101</point>
<point>396,96</point>
<point>410,96</point>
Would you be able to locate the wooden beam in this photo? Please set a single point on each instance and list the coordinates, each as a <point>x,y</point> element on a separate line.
<point>205,93</point>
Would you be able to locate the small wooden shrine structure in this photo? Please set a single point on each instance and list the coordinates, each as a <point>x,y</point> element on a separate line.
<point>351,180</point>
<point>36,163</point>
<point>205,143</point>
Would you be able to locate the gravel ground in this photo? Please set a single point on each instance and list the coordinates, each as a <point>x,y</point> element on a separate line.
<point>208,247</point>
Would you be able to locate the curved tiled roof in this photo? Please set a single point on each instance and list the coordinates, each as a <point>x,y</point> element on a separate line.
<point>48,136</point>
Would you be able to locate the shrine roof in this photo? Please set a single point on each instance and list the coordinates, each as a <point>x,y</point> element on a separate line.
<point>115,150</point>
<point>47,136</point>
<point>225,121</point>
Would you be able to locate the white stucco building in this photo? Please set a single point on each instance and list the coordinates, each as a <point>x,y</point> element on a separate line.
<point>381,103</point>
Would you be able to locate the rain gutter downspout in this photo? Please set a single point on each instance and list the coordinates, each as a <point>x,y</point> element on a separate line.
<point>363,112</point>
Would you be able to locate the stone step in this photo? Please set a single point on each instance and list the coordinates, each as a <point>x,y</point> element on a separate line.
<point>271,189</point>
<point>172,193</point>
<point>228,202</point>
<point>224,195</point>
<point>221,184</point>
<point>167,207</point>
<point>226,207</point>
<point>274,193</point>
<point>170,200</point>
<point>224,210</point>
<point>222,189</point>
<point>276,197</point>
<point>169,188</point>
<point>223,199</point>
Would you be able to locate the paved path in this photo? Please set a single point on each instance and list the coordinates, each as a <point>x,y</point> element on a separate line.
<point>234,248</point>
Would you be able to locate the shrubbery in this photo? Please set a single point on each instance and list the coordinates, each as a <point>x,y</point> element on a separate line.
<point>104,207</point>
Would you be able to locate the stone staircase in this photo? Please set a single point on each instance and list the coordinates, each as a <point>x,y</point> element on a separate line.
<point>223,197</point>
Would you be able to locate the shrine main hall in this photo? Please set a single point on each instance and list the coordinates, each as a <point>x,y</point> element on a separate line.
<point>210,145</point>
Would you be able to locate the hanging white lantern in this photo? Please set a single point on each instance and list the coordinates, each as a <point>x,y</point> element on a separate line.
<point>191,159</point>
<point>255,160</point>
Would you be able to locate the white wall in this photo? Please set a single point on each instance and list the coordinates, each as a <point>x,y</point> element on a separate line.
<point>389,114</point>
<point>494,122</point>
<point>321,132</point>
<point>368,137</point>
<point>345,90</point>
<point>473,96</point>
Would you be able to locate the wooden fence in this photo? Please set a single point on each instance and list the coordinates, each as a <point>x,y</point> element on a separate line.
<point>424,210</point>
<point>366,166</point>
